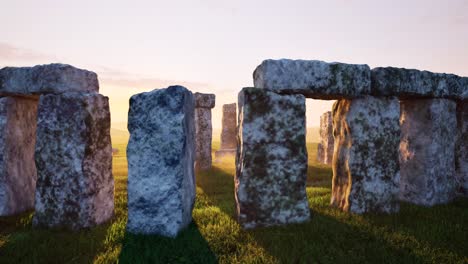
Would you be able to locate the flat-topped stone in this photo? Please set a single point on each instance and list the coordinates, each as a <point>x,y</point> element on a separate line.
<point>43,79</point>
<point>313,78</point>
<point>410,83</point>
<point>326,144</point>
<point>229,123</point>
<point>203,100</point>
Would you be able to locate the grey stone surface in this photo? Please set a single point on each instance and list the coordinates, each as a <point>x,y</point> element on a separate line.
<point>161,153</point>
<point>427,151</point>
<point>313,79</point>
<point>18,175</point>
<point>228,132</point>
<point>365,166</point>
<point>461,162</point>
<point>43,79</point>
<point>271,160</point>
<point>203,100</point>
<point>75,186</point>
<point>203,130</point>
<point>326,144</point>
<point>410,83</point>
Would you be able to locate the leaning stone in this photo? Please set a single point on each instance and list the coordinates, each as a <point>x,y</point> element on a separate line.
<point>228,132</point>
<point>313,79</point>
<point>271,161</point>
<point>461,162</point>
<point>325,146</point>
<point>75,186</point>
<point>44,79</point>
<point>427,151</point>
<point>18,175</point>
<point>203,130</point>
<point>365,166</point>
<point>160,153</point>
<point>409,83</point>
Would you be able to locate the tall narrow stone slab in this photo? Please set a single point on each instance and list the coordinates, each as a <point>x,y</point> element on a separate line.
<point>75,186</point>
<point>365,163</point>
<point>18,117</point>
<point>203,130</point>
<point>228,132</point>
<point>161,153</point>
<point>461,162</point>
<point>271,161</point>
<point>326,144</point>
<point>427,151</point>
<point>313,79</point>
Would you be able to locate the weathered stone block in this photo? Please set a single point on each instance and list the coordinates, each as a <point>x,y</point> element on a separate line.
<point>43,79</point>
<point>18,117</point>
<point>75,186</point>
<point>228,132</point>
<point>160,153</point>
<point>409,83</point>
<point>461,161</point>
<point>203,130</point>
<point>313,79</point>
<point>271,161</point>
<point>326,144</point>
<point>427,151</point>
<point>365,164</point>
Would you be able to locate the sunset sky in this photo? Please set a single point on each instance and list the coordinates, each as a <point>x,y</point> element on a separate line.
<point>214,46</point>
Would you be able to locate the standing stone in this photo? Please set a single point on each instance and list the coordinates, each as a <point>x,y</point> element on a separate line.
<point>326,145</point>
<point>462,148</point>
<point>228,132</point>
<point>203,130</point>
<point>18,117</point>
<point>365,165</point>
<point>75,186</point>
<point>160,153</point>
<point>271,172</point>
<point>427,151</point>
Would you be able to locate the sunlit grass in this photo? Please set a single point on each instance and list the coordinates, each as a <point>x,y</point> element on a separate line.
<point>415,235</point>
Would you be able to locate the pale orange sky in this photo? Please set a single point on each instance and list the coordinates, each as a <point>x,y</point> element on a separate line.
<point>214,46</point>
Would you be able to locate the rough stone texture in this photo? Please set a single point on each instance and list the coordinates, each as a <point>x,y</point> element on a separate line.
<point>160,153</point>
<point>204,100</point>
<point>271,160</point>
<point>427,151</point>
<point>461,162</point>
<point>326,146</point>
<point>314,79</point>
<point>409,83</point>
<point>75,186</point>
<point>228,132</point>
<point>50,78</point>
<point>365,166</point>
<point>17,168</point>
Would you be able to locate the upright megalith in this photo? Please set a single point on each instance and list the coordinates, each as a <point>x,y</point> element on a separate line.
<point>326,144</point>
<point>75,186</point>
<point>18,175</point>
<point>271,160</point>
<point>427,151</point>
<point>203,130</point>
<point>461,161</point>
<point>161,153</point>
<point>228,132</point>
<point>365,164</point>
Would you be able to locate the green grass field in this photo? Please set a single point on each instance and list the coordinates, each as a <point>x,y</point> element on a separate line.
<point>415,235</point>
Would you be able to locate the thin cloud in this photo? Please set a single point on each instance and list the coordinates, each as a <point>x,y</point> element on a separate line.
<point>9,52</point>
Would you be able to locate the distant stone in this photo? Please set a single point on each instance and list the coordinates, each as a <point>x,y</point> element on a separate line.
<point>313,79</point>
<point>427,151</point>
<point>115,151</point>
<point>45,79</point>
<point>75,186</point>
<point>203,100</point>
<point>326,144</point>
<point>18,174</point>
<point>409,83</point>
<point>365,167</point>
<point>228,132</point>
<point>461,162</point>
<point>271,173</point>
<point>160,153</point>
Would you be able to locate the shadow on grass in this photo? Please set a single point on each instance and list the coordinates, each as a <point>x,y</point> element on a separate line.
<point>188,247</point>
